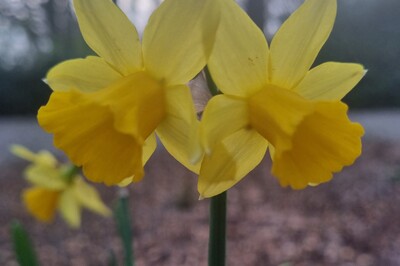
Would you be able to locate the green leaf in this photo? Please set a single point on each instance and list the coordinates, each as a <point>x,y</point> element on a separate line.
<point>23,248</point>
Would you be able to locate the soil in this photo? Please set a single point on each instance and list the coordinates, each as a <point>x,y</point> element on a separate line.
<point>352,220</point>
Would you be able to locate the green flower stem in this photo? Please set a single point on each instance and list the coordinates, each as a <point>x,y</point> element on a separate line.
<point>217,238</point>
<point>70,173</point>
<point>123,219</point>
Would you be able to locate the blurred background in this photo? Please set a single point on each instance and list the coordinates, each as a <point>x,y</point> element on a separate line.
<point>37,34</point>
<point>352,220</point>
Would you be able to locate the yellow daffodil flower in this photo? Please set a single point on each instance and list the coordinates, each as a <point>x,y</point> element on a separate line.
<point>272,98</point>
<point>105,110</point>
<point>55,187</point>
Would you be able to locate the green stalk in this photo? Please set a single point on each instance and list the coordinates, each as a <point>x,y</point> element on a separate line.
<point>123,220</point>
<point>217,238</point>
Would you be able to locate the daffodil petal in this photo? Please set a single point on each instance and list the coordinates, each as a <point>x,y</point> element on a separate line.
<point>108,31</point>
<point>43,157</point>
<point>330,81</point>
<point>149,147</point>
<point>87,75</point>
<point>41,203</point>
<point>85,131</point>
<point>297,43</point>
<point>222,117</point>
<point>45,177</point>
<point>178,39</point>
<point>89,197</point>
<point>323,144</point>
<point>69,207</point>
<point>238,63</point>
<point>232,159</point>
<point>178,130</point>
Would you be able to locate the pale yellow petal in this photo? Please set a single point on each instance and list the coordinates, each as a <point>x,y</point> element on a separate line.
<point>88,197</point>
<point>45,177</point>
<point>238,63</point>
<point>330,81</point>
<point>42,157</point>
<point>178,39</point>
<point>297,43</point>
<point>70,208</point>
<point>222,117</point>
<point>231,160</point>
<point>85,131</point>
<point>87,75</point>
<point>108,31</point>
<point>149,147</point>
<point>23,152</point>
<point>178,131</point>
<point>41,203</point>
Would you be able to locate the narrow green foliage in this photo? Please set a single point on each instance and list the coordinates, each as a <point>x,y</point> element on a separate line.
<point>23,248</point>
<point>123,221</point>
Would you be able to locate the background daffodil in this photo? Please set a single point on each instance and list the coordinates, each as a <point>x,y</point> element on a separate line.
<point>55,187</point>
<point>272,98</point>
<point>105,109</point>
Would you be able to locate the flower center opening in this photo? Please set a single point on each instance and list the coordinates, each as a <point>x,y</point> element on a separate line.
<point>138,104</point>
<point>275,113</point>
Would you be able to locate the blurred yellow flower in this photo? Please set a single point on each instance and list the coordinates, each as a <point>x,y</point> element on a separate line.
<point>272,98</point>
<point>105,109</point>
<point>56,187</point>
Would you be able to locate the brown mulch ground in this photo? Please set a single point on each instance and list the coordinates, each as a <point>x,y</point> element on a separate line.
<point>353,220</point>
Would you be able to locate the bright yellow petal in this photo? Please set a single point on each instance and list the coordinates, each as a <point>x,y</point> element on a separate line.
<point>178,131</point>
<point>238,63</point>
<point>109,33</point>
<point>298,41</point>
<point>310,139</point>
<point>330,81</point>
<point>87,75</point>
<point>89,197</point>
<point>230,161</point>
<point>149,147</point>
<point>41,203</point>
<point>323,144</point>
<point>178,39</point>
<point>70,208</point>
<point>86,132</point>
<point>45,177</point>
<point>275,113</point>
<point>222,117</point>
